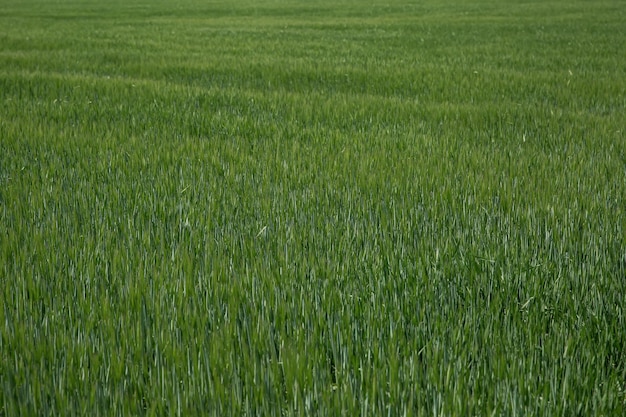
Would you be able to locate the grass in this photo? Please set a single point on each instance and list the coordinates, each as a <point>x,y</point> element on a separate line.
<point>312,208</point>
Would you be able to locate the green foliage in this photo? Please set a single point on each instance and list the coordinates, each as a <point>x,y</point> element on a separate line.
<point>312,208</point>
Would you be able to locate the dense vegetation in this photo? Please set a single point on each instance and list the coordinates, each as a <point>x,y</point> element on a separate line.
<point>312,207</point>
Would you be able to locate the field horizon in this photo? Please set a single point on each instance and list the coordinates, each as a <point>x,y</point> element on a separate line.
<point>312,208</point>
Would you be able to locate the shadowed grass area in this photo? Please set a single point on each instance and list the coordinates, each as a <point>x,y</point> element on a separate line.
<point>312,208</point>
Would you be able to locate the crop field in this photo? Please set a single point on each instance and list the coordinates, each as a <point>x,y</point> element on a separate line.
<point>313,208</point>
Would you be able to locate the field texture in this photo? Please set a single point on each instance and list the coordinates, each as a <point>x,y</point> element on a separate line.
<point>313,208</point>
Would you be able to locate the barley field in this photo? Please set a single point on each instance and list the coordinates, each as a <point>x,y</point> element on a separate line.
<point>312,208</point>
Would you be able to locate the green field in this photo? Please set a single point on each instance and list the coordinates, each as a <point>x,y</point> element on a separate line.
<point>313,208</point>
